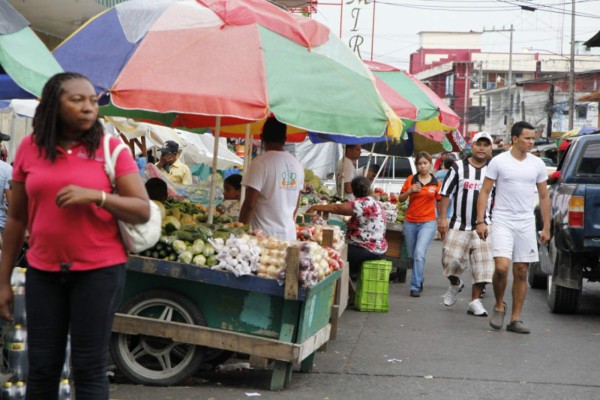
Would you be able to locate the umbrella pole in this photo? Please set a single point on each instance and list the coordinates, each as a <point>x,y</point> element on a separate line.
<point>213,179</point>
<point>247,155</point>
<point>366,171</point>
<point>385,160</point>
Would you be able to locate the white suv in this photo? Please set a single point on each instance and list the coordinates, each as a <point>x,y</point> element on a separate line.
<point>393,176</point>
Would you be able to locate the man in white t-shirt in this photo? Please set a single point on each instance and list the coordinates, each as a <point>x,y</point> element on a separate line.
<point>346,171</point>
<point>517,174</point>
<point>273,184</point>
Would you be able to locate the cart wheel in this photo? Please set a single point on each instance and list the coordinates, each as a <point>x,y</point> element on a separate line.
<point>149,360</point>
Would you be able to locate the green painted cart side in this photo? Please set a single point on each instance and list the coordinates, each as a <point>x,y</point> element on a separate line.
<point>246,314</point>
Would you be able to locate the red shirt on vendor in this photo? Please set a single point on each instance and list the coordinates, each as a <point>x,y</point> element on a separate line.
<point>70,235</point>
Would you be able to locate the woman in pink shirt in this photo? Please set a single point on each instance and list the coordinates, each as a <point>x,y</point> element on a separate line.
<point>63,197</point>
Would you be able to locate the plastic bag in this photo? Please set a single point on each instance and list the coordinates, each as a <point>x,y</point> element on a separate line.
<point>545,262</point>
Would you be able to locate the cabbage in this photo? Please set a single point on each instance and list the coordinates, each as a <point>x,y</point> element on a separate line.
<point>179,246</point>
<point>199,260</point>
<point>185,257</point>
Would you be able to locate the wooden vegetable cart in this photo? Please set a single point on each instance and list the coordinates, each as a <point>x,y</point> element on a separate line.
<point>173,313</point>
<point>395,239</point>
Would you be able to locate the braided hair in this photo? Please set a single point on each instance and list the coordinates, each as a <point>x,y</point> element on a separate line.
<point>47,123</point>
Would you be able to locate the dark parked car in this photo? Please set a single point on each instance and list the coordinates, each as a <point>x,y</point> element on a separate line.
<point>574,247</point>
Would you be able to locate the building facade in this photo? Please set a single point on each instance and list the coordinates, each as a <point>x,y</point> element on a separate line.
<point>478,87</point>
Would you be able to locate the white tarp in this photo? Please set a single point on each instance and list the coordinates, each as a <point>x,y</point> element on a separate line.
<point>321,158</point>
<point>205,144</point>
<point>196,148</point>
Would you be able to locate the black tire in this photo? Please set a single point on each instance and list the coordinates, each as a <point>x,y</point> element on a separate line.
<point>562,300</point>
<point>149,360</point>
<point>535,277</point>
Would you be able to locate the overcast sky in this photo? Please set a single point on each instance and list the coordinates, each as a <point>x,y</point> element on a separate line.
<point>397,23</point>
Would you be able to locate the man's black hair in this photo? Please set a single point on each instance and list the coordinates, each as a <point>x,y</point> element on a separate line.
<point>374,168</point>
<point>448,162</point>
<point>157,189</point>
<point>235,181</point>
<point>274,131</point>
<point>517,128</point>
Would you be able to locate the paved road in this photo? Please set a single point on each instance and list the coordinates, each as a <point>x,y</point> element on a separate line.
<point>422,349</point>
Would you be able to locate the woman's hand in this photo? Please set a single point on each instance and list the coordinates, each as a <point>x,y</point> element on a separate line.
<point>73,194</point>
<point>6,301</point>
<point>415,188</point>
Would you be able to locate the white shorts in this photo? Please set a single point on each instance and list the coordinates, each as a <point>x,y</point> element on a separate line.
<point>515,240</point>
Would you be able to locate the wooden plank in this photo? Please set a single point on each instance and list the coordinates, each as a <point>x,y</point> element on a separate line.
<point>129,143</point>
<point>343,288</point>
<point>313,343</point>
<point>394,239</point>
<point>220,339</point>
<point>327,237</point>
<point>340,302</point>
<point>335,318</point>
<point>144,147</point>
<point>258,362</point>
<point>292,273</point>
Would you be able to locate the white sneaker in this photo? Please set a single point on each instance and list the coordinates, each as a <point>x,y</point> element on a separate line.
<point>476,309</point>
<point>452,294</point>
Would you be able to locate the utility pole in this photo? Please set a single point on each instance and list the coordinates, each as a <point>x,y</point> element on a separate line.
<point>572,70</point>
<point>510,54</point>
<point>509,120</point>
<point>466,102</point>
<point>550,111</point>
<point>480,65</point>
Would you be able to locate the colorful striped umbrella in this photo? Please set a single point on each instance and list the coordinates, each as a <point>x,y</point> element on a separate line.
<point>22,54</point>
<point>433,114</point>
<point>185,63</point>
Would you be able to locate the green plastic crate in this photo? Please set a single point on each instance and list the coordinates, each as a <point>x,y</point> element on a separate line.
<point>373,286</point>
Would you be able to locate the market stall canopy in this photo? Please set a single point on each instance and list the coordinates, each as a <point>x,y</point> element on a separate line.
<point>23,56</point>
<point>184,63</point>
<point>196,148</point>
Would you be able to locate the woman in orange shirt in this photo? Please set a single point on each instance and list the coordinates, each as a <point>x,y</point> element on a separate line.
<point>420,221</point>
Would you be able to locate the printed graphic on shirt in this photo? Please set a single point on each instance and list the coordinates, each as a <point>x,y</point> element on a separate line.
<point>471,184</point>
<point>289,180</point>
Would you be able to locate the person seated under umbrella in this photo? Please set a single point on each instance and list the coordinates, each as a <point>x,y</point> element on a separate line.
<point>169,164</point>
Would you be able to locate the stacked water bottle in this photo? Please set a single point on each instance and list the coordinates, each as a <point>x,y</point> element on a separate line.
<point>16,344</point>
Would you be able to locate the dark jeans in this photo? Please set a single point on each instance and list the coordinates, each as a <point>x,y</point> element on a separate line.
<point>85,302</point>
<point>356,256</point>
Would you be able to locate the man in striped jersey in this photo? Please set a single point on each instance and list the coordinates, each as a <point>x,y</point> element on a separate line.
<point>463,182</point>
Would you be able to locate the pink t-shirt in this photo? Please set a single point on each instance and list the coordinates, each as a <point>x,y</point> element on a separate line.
<point>84,235</point>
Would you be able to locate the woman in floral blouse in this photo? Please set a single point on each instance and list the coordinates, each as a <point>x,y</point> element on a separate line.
<point>366,229</point>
